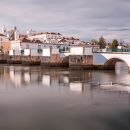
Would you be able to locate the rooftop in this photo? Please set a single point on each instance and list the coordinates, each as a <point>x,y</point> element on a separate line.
<point>34,34</point>
<point>2,34</point>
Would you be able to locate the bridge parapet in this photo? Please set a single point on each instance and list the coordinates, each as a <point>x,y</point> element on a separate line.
<point>110,50</point>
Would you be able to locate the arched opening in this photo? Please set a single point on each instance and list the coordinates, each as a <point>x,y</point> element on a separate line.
<point>116,64</point>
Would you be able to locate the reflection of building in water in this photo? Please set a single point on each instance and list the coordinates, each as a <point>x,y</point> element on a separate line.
<point>78,87</point>
<point>80,76</point>
<point>34,76</point>
<point>4,78</point>
<point>30,75</point>
<point>64,79</point>
<point>46,80</point>
<point>27,77</point>
<point>22,75</point>
<point>16,78</point>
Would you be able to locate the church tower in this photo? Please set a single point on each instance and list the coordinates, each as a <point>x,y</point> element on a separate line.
<point>4,31</point>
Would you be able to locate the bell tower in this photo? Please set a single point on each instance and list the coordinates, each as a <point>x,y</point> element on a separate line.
<point>4,31</point>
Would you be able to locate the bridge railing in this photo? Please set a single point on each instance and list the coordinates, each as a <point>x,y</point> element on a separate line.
<point>113,50</point>
<point>118,50</point>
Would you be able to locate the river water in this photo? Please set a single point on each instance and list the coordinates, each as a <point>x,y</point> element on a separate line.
<point>35,98</point>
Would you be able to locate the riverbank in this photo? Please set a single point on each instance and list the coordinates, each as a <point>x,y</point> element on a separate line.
<point>71,62</point>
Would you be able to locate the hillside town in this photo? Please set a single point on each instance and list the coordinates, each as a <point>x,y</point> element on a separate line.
<point>13,40</point>
<point>52,49</point>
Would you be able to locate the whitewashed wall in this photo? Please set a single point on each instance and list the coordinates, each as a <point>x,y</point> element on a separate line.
<point>40,37</point>
<point>31,45</point>
<point>55,51</point>
<point>26,52</point>
<point>76,51</point>
<point>11,52</point>
<point>34,52</point>
<point>17,52</point>
<point>15,45</point>
<point>46,52</point>
<point>45,37</point>
<point>88,51</point>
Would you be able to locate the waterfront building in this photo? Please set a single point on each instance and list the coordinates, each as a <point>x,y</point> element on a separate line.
<point>81,56</point>
<point>72,40</point>
<point>49,49</point>
<point>54,38</point>
<point>5,44</point>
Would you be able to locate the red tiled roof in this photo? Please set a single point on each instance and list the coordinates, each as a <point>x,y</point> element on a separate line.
<point>24,39</point>
<point>46,33</point>
<point>36,41</point>
<point>63,40</point>
<point>2,35</point>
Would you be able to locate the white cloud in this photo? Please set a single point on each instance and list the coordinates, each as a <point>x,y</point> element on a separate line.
<point>82,18</point>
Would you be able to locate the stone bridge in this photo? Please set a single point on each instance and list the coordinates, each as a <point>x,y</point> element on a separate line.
<point>109,59</point>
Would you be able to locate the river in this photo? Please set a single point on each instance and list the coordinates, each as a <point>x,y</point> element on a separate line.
<point>36,98</point>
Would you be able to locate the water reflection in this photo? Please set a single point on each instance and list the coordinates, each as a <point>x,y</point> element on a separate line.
<point>77,87</point>
<point>76,81</point>
<point>15,77</point>
<point>27,77</point>
<point>121,67</point>
<point>37,98</point>
<point>46,80</point>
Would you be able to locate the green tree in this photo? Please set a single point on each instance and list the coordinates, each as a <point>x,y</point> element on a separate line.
<point>115,43</point>
<point>102,42</point>
<point>94,42</point>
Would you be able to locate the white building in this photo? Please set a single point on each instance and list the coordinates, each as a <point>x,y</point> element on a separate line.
<point>70,40</point>
<point>46,37</point>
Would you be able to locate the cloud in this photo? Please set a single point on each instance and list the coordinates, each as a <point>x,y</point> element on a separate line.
<point>85,19</point>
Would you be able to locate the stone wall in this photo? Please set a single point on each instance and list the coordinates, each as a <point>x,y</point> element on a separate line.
<point>80,60</point>
<point>54,61</point>
<point>3,58</point>
<point>31,60</point>
<point>14,60</point>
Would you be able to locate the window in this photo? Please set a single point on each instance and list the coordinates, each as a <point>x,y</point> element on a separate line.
<point>39,46</point>
<point>27,46</point>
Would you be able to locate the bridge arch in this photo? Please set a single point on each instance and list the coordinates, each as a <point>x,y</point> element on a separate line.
<point>109,59</point>
<point>111,63</point>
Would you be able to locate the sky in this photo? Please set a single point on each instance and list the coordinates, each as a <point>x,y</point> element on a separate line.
<point>84,19</point>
